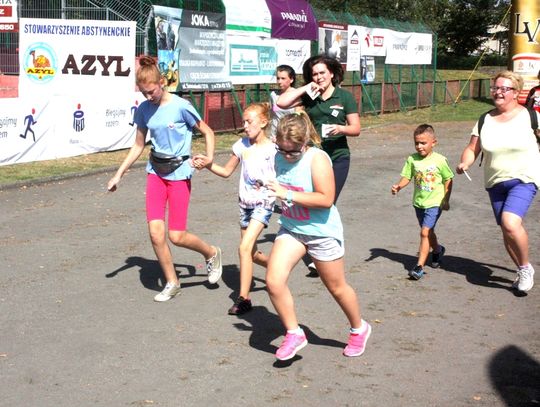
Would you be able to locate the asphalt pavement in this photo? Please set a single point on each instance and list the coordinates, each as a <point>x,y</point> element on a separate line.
<point>78,326</point>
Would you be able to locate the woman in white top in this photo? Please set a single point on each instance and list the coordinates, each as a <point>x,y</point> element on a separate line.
<point>511,168</point>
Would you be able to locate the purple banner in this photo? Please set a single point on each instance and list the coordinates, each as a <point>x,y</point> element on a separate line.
<point>292,19</point>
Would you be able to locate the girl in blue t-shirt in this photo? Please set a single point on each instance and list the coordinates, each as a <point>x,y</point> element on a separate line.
<point>170,120</point>
<point>309,223</point>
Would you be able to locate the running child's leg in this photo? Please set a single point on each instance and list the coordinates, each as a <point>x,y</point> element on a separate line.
<point>427,219</point>
<point>332,274</point>
<point>179,193</point>
<point>259,258</point>
<point>423,250</point>
<point>156,202</point>
<point>285,254</point>
<point>156,229</point>
<point>247,251</point>
<point>433,241</point>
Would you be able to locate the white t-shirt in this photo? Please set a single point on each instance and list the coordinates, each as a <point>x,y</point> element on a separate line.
<point>257,161</point>
<point>277,113</point>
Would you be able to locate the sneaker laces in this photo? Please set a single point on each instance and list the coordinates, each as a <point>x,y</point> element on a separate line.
<point>524,273</point>
<point>169,287</point>
<point>210,264</point>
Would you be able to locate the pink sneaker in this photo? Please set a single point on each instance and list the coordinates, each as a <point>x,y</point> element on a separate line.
<point>357,342</point>
<point>290,345</point>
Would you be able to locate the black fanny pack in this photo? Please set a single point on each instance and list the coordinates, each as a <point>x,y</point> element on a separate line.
<point>164,164</point>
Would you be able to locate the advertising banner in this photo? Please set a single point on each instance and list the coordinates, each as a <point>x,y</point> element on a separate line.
<point>202,50</point>
<point>292,19</point>
<point>373,41</point>
<point>367,69</point>
<point>251,60</point>
<point>408,48</point>
<point>250,18</point>
<point>524,43</point>
<point>66,57</point>
<point>35,129</point>
<point>293,53</point>
<point>9,22</point>
<point>353,47</point>
<point>333,40</point>
<point>167,21</point>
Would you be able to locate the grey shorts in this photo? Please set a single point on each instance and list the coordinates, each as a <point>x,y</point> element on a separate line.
<point>319,248</point>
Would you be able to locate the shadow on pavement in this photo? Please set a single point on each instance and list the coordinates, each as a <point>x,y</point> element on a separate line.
<point>151,275</point>
<point>266,327</point>
<point>475,272</point>
<point>516,377</point>
<point>231,278</point>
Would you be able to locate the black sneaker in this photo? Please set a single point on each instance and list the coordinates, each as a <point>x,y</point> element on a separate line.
<point>416,273</point>
<point>437,257</point>
<point>241,306</point>
<point>312,270</point>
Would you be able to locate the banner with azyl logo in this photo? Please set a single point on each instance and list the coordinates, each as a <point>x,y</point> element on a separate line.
<point>65,57</point>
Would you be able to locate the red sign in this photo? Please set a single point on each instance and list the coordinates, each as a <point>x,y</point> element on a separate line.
<point>6,11</point>
<point>9,27</point>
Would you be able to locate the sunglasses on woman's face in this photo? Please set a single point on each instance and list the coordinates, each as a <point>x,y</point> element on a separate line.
<point>290,153</point>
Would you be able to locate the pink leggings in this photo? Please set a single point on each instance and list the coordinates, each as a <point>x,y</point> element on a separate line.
<point>177,193</point>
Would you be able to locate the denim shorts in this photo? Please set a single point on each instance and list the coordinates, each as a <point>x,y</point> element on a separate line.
<point>319,248</point>
<point>258,213</point>
<point>428,217</point>
<point>512,196</point>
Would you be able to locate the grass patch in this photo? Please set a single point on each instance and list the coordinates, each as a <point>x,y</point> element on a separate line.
<point>29,172</point>
<point>467,110</point>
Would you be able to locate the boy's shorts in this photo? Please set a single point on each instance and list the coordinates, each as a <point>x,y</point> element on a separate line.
<point>258,213</point>
<point>319,248</point>
<point>428,217</point>
<point>512,196</point>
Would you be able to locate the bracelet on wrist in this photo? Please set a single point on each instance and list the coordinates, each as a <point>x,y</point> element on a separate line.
<point>289,197</point>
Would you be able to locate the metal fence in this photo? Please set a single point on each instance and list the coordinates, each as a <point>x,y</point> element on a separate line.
<point>223,110</point>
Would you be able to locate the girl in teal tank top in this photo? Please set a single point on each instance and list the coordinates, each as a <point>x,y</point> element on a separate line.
<point>310,223</point>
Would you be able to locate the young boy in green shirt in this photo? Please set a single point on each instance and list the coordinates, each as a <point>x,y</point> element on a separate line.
<point>432,187</point>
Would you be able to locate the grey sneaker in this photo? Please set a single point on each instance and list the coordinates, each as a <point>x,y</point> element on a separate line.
<point>524,281</point>
<point>214,267</point>
<point>170,291</point>
<point>417,272</point>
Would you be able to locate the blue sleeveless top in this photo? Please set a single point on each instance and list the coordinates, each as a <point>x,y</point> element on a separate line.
<point>296,176</point>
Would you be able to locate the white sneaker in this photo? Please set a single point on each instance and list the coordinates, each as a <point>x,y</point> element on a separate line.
<point>525,280</point>
<point>170,290</point>
<point>214,267</point>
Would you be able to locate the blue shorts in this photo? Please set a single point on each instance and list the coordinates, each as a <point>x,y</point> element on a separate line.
<point>258,213</point>
<point>512,196</point>
<point>428,217</point>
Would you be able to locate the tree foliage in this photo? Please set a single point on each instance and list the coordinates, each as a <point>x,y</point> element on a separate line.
<point>461,25</point>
